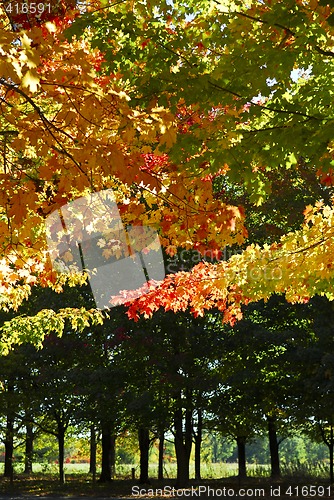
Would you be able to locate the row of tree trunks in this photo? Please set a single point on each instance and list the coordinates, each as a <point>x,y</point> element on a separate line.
<point>273,448</point>
<point>183,429</point>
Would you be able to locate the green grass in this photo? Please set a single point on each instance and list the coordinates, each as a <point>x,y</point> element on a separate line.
<point>82,485</point>
<point>208,470</point>
<point>44,480</point>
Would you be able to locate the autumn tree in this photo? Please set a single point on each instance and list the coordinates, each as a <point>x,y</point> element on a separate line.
<point>50,88</point>
<point>245,107</point>
<point>181,107</point>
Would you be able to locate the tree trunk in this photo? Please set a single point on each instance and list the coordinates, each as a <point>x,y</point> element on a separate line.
<point>9,447</point>
<point>92,451</point>
<point>61,451</point>
<point>29,448</point>
<point>241,444</point>
<point>273,447</point>
<point>183,444</point>
<point>106,473</point>
<point>161,456</point>
<point>214,449</point>
<point>329,441</point>
<point>144,447</point>
<point>331,457</point>
<point>113,455</point>
<point>198,443</point>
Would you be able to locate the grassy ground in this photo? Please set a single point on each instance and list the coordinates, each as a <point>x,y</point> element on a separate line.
<point>209,471</point>
<point>44,482</point>
<point>77,486</point>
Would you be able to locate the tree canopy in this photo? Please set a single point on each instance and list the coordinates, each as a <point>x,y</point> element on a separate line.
<point>179,107</point>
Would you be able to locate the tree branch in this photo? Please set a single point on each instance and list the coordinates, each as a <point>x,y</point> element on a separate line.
<point>324,52</point>
<point>288,31</point>
<point>50,127</point>
<point>269,108</point>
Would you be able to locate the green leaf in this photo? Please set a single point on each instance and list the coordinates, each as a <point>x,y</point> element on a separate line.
<point>330,20</point>
<point>292,160</point>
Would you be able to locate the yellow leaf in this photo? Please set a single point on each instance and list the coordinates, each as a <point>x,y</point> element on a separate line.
<point>26,42</point>
<point>50,27</point>
<point>169,137</point>
<point>31,81</point>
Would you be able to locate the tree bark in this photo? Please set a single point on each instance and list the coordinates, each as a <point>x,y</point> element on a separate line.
<point>92,451</point>
<point>113,455</point>
<point>61,450</point>
<point>241,444</point>
<point>183,444</point>
<point>273,447</point>
<point>144,447</point>
<point>331,456</point>
<point>9,447</point>
<point>329,441</point>
<point>161,456</point>
<point>198,444</point>
<point>214,449</point>
<point>29,448</point>
<point>106,465</point>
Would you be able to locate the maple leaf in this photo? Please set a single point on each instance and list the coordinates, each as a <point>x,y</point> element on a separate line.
<point>30,80</point>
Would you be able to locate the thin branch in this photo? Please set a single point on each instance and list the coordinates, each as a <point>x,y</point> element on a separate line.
<point>215,85</point>
<point>266,129</point>
<point>287,111</point>
<point>180,56</point>
<point>288,31</point>
<point>259,20</point>
<point>323,434</point>
<point>276,127</point>
<point>76,87</point>
<point>324,52</point>
<point>50,127</point>
<point>263,106</point>
<point>15,88</point>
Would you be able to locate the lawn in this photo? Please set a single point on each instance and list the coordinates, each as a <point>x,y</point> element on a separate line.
<point>219,481</point>
<point>124,471</point>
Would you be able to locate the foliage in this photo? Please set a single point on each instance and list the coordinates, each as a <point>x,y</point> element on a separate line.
<point>160,112</point>
<point>299,266</point>
<point>211,122</point>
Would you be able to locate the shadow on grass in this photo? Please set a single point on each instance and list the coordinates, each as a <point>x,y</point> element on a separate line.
<point>41,485</point>
<point>83,486</point>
